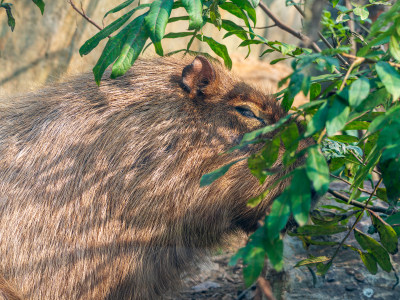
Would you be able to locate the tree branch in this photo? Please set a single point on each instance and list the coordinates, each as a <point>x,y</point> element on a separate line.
<point>326,42</point>
<point>265,288</point>
<point>355,222</point>
<point>358,61</point>
<point>345,181</point>
<point>83,14</point>
<point>368,60</point>
<point>360,205</point>
<point>289,29</point>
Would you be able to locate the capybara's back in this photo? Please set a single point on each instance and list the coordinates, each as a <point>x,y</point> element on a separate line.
<point>99,186</point>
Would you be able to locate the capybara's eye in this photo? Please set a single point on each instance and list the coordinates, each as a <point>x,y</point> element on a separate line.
<point>248,113</point>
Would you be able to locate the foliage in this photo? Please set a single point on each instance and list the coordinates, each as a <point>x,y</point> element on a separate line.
<point>353,116</point>
<point>10,17</point>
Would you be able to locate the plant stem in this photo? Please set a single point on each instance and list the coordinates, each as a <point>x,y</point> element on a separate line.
<point>360,205</point>
<point>349,183</point>
<point>368,60</point>
<point>355,222</point>
<point>356,62</point>
<point>83,14</point>
<point>289,29</point>
<point>326,42</point>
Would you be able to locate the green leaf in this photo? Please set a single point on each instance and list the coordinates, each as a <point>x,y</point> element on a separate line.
<point>373,247</point>
<point>363,171</point>
<point>290,137</point>
<point>394,219</point>
<point>390,140</point>
<point>317,170</point>
<point>357,125</point>
<point>236,11</point>
<point>215,15</point>
<point>253,202</point>
<point>10,18</point>
<point>338,115</point>
<point>389,77</point>
<point>156,21</point>
<point>322,268</point>
<point>394,47</point>
<point>300,196</point>
<point>113,49</point>
<point>274,250</point>
<point>344,138</point>
<point>119,7</point>
<point>254,134</point>
<point>209,178</point>
<point>273,62</point>
<point>92,43</point>
<point>358,91</point>
<point>176,19</point>
<point>386,233</point>
<point>287,101</point>
<point>232,28</point>
<point>374,99</point>
<point>40,4</point>
<point>245,5</point>
<point>327,218</point>
<point>381,193</point>
<point>318,120</point>
<point>279,215</point>
<point>369,261</point>
<point>254,264</point>
<point>315,90</point>
<point>174,35</point>
<point>194,9</point>
<point>254,3</point>
<point>260,162</point>
<point>361,11</point>
<point>382,121</point>
<point>131,48</point>
<point>312,261</point>
<point>311,104</point>
<point>334,3</point>
<point>315,230</point>
<point>391,178</point>
<point>218,49</point>
<point>250,42</point>
<point>110,53</point>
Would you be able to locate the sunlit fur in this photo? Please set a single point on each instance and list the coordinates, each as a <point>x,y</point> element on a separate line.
<point>99,186</point>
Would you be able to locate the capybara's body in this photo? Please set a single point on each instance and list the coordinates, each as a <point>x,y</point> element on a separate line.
<point>99,186</point>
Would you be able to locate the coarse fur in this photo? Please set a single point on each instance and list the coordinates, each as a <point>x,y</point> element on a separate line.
<point>99,186</point>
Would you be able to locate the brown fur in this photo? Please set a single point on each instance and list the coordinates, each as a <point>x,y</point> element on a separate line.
<point>99,186</point>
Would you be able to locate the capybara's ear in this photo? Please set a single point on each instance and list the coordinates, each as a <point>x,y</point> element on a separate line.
<point>197,75</point>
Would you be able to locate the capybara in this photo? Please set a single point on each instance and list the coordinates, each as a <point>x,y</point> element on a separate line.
<point>99,186</point>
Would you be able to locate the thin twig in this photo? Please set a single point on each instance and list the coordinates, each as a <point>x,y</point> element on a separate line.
<point>355,222</point>
<point>326,42</point>
<point>361,162</point>
<point>289,29</point>
<point>265,288</point>
<point>397,279</point>
<point>321,136</point>
<point>83,14</point>
<point>349,183</point>
<point>243,294</point>
<point>368,60</point>
<point>264,27</point>
<point>356,62</point>
<point>360,205</point>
